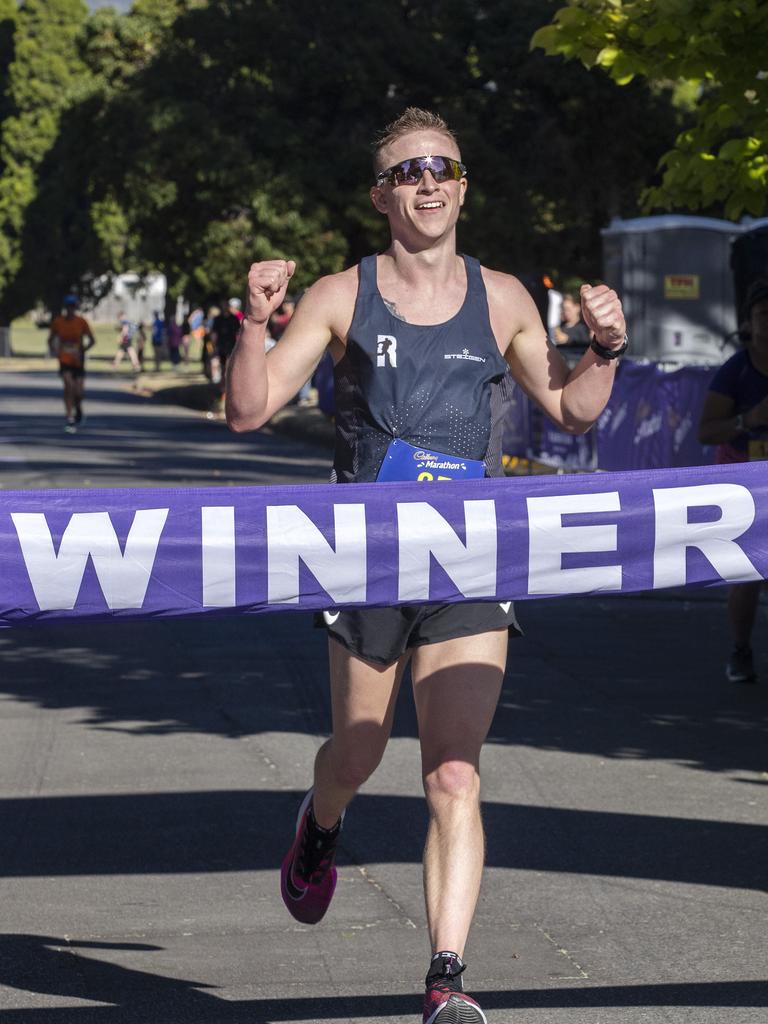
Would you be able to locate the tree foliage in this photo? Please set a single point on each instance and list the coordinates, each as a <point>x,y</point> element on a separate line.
<point>39,38</point>
<point>209,133</point>
<point>718,49</point>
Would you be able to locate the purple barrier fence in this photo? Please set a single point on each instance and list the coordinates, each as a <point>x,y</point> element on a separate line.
<point>650,422</point>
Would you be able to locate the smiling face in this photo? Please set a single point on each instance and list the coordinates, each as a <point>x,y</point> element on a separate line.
<point>430,209</point>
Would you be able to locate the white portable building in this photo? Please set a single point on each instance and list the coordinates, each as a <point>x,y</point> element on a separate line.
<point>673,275</point>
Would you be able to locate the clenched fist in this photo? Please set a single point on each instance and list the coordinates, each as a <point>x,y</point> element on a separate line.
<point>267,285</point>
<point>602,313</point>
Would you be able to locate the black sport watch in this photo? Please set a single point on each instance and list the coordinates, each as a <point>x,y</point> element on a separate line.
<point>608,353</point>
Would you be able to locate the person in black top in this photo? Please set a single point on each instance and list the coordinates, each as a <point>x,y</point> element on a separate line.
<point>572,336</point>
<point>224,330</point>
<point>735,418</point>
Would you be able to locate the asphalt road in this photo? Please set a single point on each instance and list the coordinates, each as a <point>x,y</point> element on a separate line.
<point>130,441</point>
<point>151,772</point>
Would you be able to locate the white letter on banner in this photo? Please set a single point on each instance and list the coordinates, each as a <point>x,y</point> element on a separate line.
<point>549,540</point>
<point>218,535</point>
<point>56,579</point>
<point>423,531</point>
<point>715,540</point>
<point>291,535</point>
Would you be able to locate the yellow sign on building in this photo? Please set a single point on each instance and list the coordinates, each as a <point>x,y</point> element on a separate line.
<point>681,286</point>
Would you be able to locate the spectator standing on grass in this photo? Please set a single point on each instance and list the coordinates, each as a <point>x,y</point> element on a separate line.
<point>141,341</point>
<point>173,334</point>
<point>127,333</point>
<point>158,339</point>
<point>186,338</point>
<point>224,330</point>
<point>208,353</point>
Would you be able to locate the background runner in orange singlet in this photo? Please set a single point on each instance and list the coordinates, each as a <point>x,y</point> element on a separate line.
<point>69,340</point>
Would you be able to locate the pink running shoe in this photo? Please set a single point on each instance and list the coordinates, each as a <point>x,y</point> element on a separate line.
<point>445,1001</point>
<point>308,874</point>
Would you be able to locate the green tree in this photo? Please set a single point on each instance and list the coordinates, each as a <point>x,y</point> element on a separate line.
<point>209,133</point>
<point>8,26</point>
<point>544,179</point>
<point>41,80</point>
<point>715,50</point>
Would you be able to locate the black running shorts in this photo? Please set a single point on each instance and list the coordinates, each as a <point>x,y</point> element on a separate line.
<point>73,371</point>
<point>383,634</point>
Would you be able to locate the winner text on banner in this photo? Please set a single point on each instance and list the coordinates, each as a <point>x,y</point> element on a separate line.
<point>148,553</point>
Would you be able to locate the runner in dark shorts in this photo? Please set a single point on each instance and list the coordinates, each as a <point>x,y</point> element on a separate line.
<point>425,343</point>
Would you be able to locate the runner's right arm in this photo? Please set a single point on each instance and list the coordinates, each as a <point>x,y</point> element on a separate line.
<point>53,343</point>
<point>260,383</point>
<point>88,334</point>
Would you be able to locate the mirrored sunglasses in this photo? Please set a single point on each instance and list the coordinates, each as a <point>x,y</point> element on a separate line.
<point>410,172</point>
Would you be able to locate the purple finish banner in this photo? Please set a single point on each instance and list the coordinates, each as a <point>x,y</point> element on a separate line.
<point>128,554</point>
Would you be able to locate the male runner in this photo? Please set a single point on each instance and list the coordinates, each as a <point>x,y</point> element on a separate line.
<point>69,339</point>
<point>421,338</point>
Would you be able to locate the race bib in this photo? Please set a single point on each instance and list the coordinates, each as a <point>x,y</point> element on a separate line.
<point>69,353</point>
<point>404,462</point>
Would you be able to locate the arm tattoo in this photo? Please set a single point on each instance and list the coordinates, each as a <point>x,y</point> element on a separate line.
<point>393,310</point>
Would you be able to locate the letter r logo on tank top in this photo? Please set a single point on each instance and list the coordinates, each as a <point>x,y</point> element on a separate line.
<point>386,350</point>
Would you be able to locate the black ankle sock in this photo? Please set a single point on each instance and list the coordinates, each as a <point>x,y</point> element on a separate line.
<point>319,828</point>
<point>445,963</point>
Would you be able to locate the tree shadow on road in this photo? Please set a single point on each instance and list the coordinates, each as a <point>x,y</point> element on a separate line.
<point>180,448</point>
<point>647,684</point>
<point>198,832</point>
<point>70,969</point>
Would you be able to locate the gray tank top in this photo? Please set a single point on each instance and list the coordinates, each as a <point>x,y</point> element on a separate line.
<point>442,386</point>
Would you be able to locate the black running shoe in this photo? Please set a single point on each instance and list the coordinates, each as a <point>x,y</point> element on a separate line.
<point>445,1001</point>
<point>740,667</point>
<point>308,874</point>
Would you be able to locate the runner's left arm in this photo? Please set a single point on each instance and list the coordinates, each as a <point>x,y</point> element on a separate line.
<point>571,398</point>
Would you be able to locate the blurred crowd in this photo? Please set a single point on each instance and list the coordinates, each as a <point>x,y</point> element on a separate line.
<point>207,337</point>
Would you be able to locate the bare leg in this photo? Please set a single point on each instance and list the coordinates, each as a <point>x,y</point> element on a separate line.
<point>69,395</point>
<point>456,688</point>
<point>134,357</point>
<point>79,391</point>
<point>363,703</point>
<point>742,607</point>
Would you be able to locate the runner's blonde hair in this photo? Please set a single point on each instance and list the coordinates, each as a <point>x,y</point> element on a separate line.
<point>412,119</point>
